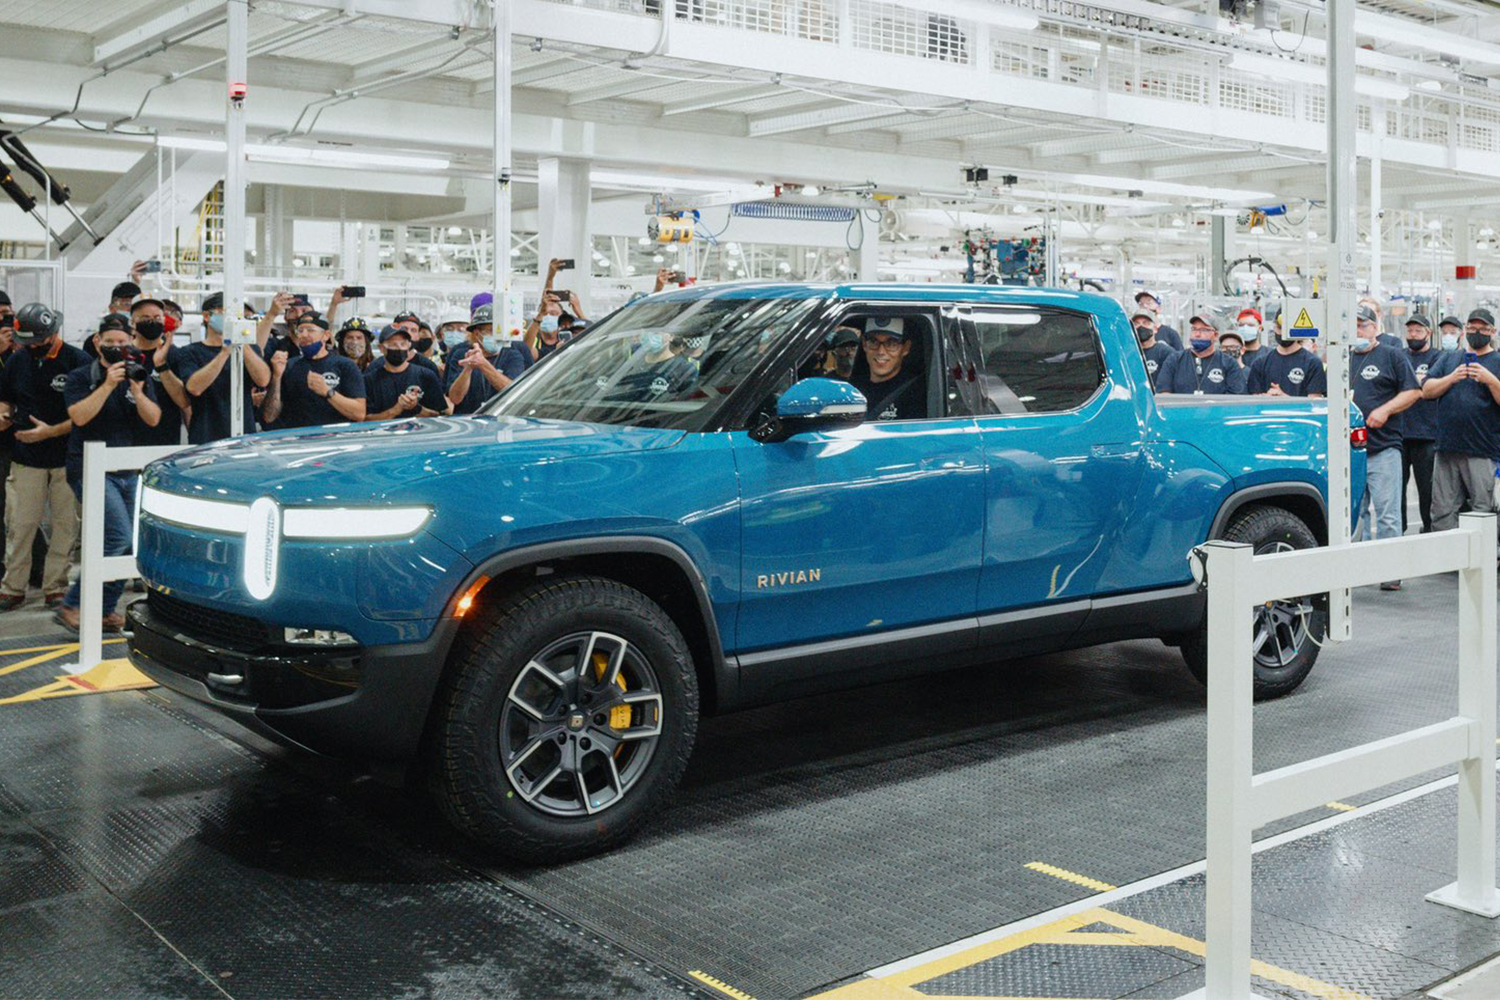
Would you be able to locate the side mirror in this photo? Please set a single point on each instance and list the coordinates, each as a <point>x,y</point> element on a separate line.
<point>813,404</point>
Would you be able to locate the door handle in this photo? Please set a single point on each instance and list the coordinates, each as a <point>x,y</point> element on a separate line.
<point>1125,450</point>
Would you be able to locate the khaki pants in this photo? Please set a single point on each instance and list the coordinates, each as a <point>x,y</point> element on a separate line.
<point>1456,478</point>
<point>28,492</point>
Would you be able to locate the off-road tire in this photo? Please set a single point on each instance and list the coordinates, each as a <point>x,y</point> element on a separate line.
<point>1265,528</point>
<point>466,772</point>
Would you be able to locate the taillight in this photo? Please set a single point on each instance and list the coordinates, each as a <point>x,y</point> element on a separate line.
<point>1358,437</point>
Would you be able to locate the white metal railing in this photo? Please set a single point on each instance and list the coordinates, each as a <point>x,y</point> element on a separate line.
<point>95,569</point>
<point>1239,800</point>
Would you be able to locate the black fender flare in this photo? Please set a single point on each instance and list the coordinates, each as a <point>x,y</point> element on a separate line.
<point>1269,491</point>
<point>577,548</point>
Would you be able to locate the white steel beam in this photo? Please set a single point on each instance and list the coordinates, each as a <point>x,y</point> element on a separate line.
<point>812,118</point>
<point>613,91</point>
<point>717,97</point>
<point>503,80</point>
<point>161,26</point>
<point>1218,167</point>
<point>1341,289</point>
<point>236,72</point>
<point>421,54</point>
<point>1074,145</point>
<point>454,13</point>
<point>533,74</point>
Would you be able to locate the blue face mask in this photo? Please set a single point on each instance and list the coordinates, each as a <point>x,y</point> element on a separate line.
<point>1200,343</point>
<point>1361,346</point>
<point>549,324</point>
<point>489,344</point>
<point>216,322</point>
<point>1450,341</point>
<point>310,351</point>
<point>652,343</point>
<point>455,338</point>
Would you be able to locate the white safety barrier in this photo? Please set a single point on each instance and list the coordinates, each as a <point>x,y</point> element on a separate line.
<point>1239,800</point>
<point>95,569</point>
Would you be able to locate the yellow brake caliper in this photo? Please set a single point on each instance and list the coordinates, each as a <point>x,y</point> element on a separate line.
<point>619,716</point>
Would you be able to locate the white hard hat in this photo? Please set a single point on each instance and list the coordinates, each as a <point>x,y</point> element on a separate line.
<point>454,314</point>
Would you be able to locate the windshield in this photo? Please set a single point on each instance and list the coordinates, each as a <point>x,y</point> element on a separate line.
<point>657,363</point>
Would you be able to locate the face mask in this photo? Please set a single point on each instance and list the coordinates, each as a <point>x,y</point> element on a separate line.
<point>455,338</point>
<point>489,344</point>
<point>549,324</point>
<point>1200,343</point>
<point>1361,346</point>
<point>40,346</point>
<point>170,323</point>
<point>1250,333</point>
<point>112,355</point>
<point>1416,343</point>
<point>423,345</point>
<point>353,348</point>
<point>395,356</point>
<point>216,322</point>
<point>151,329</point>
<point>1478,341</point>
<point>652,343</point>
<point>1234,352</point>
<point>310,351</point>
<point>1450,341</point>
<point>1144,333</point>
<point>1284,340</point>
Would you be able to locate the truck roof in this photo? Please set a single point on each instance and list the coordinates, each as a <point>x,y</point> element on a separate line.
<point>1084,301</point>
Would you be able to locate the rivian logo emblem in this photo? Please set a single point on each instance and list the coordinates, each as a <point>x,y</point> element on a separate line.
<point>791,577</point>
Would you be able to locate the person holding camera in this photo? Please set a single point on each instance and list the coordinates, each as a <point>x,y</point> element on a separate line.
<point>109,400</point>
<point>273,337</point>
<point>317,387</point>
<point>1466,385</point>
<point>153,348</point>
<point>399,387</point>
<point>32,402</point>
<point>205,368</point>
<point>483,367</point>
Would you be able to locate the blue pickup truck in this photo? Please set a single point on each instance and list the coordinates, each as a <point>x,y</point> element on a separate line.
<point>693,509</point>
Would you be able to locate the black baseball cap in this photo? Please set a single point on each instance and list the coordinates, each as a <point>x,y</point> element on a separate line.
<point>125,290</point>
<point>214,301</point>
<point>315,318</point>
<point>843,336</point>
<point>1482,316</point>
<point>1451,321</point>
<point>113,321</point>
<point>393,330</point>
<point>407,317</point>
<point>1420,320</point>
<point>1367,315</point>
<point>158,303</point>
<point>4,299</point>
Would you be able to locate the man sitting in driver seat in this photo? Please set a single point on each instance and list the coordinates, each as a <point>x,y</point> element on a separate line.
<point>890,393</point>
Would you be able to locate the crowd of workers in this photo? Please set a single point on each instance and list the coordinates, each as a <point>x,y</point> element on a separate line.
<point>1431,405</point>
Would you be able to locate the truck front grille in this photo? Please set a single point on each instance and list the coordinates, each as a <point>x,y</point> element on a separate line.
<point>208,625</point>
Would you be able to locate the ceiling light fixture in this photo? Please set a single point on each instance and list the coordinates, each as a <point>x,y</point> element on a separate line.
<point>346,159</point>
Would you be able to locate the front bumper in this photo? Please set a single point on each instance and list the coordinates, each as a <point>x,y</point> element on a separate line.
<point>362,702</point>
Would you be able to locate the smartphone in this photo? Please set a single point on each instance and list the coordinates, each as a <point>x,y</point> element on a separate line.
<point>153,266</point>
<point>563,295</point>
<point>678,276</point>
<point>354,291</point>
<point>1470,357</point>
<point>566,265</point>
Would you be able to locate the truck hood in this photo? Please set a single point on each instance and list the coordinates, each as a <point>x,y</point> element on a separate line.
<point>361,464</point>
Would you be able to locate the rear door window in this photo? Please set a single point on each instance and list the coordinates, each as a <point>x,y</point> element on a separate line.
<point>1030,360</point>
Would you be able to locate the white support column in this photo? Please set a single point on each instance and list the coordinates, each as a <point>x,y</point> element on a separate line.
<point>1220,239</point>
<point>867,265</point>
<point>235,78</point>
<point>1342,286</point>
<point>1231,766</point>
<point>369,253</point>
<point>563,220</point>
<point>1377,229</point>
<point>502,170</point>
<point>91,558</point>
<point>1465,297</point>
<point>1475,890</point>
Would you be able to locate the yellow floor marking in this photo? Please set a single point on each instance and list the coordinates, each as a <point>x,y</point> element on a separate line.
<point>1342,807</point>
<point>108,675</point>
<point>52,653</point>
<point>1066,931</point>
<point>720,985</point>
<point>1067,876</point>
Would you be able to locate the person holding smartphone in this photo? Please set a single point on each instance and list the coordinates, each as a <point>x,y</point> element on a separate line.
<point>1466,384</point>
<point>397,386</point>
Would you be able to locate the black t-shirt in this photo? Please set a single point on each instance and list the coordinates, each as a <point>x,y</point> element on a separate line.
<point>117,423</point>
<point>902,397</point>
<point>1420,422</point>
<point>1296,374</point>
<point>508,361</point>
<point>211,409</point>
<point>1156,357</point>
<point>543,348</point>
<point>1169,336</point>
<point>1216,375</point>
<point>300,407</point>
<point>420,360</point>
<point>1378,376</point>
<point>33,385</point>
<point>383,387</point>
<point>1468,418</point>
<point>169,430</point>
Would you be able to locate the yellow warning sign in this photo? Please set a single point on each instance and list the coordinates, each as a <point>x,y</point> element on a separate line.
<point>1304,321</point>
